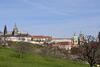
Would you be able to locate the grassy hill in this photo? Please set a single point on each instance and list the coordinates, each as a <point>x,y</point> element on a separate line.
<point>8,59</point>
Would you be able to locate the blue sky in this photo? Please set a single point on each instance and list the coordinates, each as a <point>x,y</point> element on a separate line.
<point>59,18</point>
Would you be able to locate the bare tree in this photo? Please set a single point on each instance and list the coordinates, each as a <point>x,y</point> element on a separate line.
<point>22,48</point>
<point>89,51</point>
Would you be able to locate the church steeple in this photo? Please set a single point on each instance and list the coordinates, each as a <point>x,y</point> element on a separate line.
<point>15,30</point>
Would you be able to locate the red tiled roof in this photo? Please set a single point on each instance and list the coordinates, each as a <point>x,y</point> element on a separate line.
<point>41,37</point>
<point>62,38</point>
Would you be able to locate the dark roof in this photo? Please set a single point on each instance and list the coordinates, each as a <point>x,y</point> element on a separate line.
<point>17,35</point>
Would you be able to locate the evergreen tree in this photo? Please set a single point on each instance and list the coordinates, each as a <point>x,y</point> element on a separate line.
<point>13,33</point>
<point>5,30</point>
<point>4,34</point>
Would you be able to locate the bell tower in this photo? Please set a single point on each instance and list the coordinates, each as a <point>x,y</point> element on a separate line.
<point>81,39</point>
<point>75,40</point>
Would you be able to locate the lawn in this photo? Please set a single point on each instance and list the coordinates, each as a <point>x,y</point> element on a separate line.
<point>8,59</point>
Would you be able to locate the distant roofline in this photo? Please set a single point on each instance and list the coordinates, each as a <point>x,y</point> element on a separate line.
<point>61,38</point>
<point>40,36</point>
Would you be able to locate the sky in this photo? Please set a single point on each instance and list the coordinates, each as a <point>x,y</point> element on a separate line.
<point>59,18</point>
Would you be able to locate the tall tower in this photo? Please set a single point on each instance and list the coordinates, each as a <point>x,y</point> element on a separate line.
<point>15,30</point>
<point>75,40</point>
<point>81,39</point>
<point>99,38</point>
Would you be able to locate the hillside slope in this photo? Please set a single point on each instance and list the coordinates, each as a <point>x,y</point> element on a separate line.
<point>8,59</point>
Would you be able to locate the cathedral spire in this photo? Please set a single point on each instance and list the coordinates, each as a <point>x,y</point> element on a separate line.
<point>15,29</point>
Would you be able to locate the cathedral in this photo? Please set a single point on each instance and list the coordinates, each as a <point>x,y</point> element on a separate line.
<point>14,35</point>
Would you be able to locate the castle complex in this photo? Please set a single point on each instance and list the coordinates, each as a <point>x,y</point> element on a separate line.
<point>18,36</point>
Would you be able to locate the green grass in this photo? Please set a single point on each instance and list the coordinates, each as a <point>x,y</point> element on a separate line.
<point>7,59</point>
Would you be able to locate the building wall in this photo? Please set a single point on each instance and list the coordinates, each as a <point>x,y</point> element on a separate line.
<point>65,43</point>
<point>41,39</point>
<point>26,39</point>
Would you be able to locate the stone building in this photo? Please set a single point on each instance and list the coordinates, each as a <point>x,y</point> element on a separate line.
<point>15,35</point>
